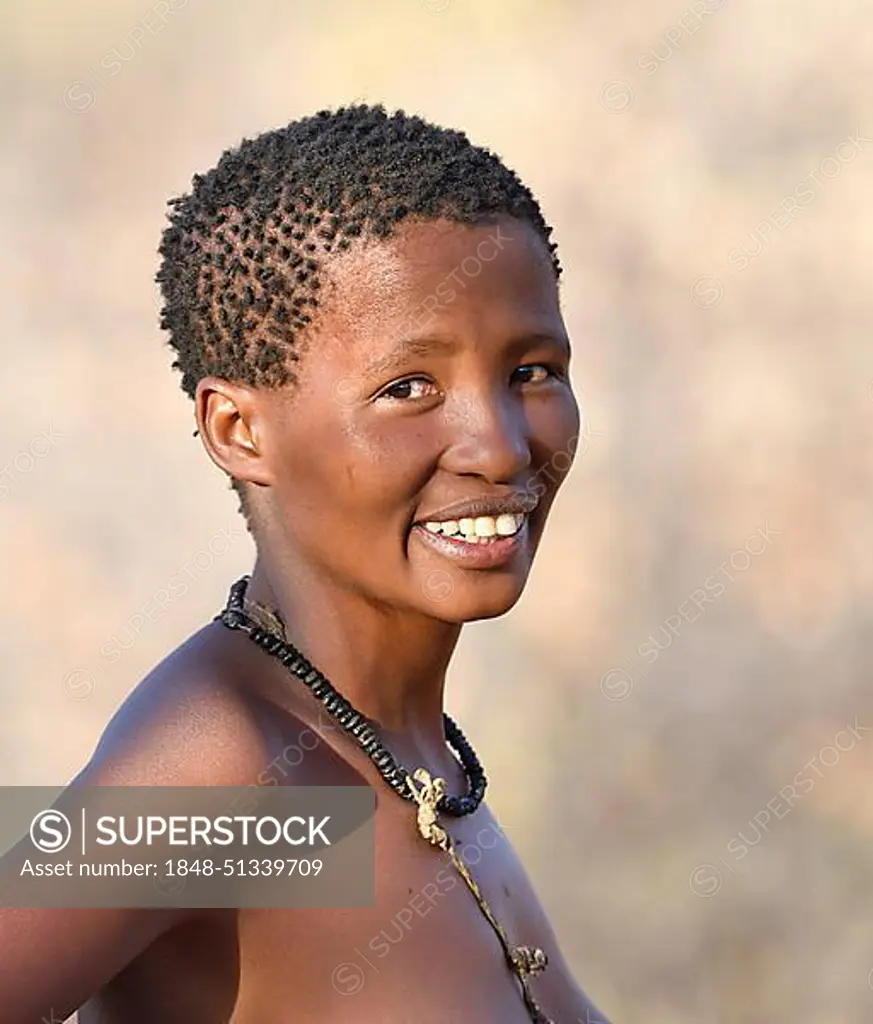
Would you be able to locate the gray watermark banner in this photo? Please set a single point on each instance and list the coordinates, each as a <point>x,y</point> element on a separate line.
<point>187,846</point>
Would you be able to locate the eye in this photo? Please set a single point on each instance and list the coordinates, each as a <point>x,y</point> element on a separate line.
<point>536,373</point>
<point>409,389</point>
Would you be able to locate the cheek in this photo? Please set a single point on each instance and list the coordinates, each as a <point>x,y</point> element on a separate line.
<point>356,475</point>
<point>388,462</point>
<point>555,427</point>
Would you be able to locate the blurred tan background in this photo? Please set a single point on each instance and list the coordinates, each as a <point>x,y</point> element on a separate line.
<point>676,719</point>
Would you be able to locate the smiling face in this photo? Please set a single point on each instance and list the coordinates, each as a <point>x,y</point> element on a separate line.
<point>417,456</point>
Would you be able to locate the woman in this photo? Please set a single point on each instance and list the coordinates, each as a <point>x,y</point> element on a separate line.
<point>364,309</point>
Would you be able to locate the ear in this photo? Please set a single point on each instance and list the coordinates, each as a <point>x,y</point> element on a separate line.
<point>232,427</point>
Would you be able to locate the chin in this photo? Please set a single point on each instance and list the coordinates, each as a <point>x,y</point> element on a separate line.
<point>469,601</point>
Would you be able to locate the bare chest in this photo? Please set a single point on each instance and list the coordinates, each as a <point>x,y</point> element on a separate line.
<point>424,952</point>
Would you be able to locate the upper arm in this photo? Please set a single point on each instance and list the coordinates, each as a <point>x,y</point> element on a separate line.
<point>53,960</point>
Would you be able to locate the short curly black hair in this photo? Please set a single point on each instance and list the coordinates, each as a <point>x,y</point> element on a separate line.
<point>242,252</point>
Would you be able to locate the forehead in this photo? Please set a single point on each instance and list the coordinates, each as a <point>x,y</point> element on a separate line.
<point>438,277</point>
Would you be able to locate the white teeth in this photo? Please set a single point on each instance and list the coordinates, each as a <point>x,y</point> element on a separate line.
<point>508,524</point>
<point>481,528</point>
<point>485,526</point>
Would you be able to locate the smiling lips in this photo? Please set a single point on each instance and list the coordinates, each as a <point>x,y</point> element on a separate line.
<point>480,534</point>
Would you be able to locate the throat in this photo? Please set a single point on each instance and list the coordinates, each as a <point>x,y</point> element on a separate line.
<point>389,664</point>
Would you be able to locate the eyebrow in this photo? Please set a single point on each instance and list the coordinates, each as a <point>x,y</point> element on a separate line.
<point>410,348</point>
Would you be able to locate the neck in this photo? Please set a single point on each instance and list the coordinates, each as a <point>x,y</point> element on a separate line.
<point>389,663</point>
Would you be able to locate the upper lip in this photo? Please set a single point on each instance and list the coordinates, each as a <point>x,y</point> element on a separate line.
<point>509,504</point>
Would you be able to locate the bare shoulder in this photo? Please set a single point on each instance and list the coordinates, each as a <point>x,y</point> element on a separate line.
<point>190,721</point>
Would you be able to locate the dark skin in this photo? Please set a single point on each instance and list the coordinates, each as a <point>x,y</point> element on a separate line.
<point>397,416</point>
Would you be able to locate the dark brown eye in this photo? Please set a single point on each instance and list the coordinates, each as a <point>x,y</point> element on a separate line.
<point>534,373</point>
<point>409,389</point>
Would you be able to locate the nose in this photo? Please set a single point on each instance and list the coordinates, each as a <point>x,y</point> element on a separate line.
<point>488,437</point>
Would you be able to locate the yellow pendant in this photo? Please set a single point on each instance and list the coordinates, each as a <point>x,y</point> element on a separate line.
<point>523,961</point>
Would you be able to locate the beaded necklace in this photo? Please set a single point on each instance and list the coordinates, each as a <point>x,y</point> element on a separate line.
<point>265,628</point>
